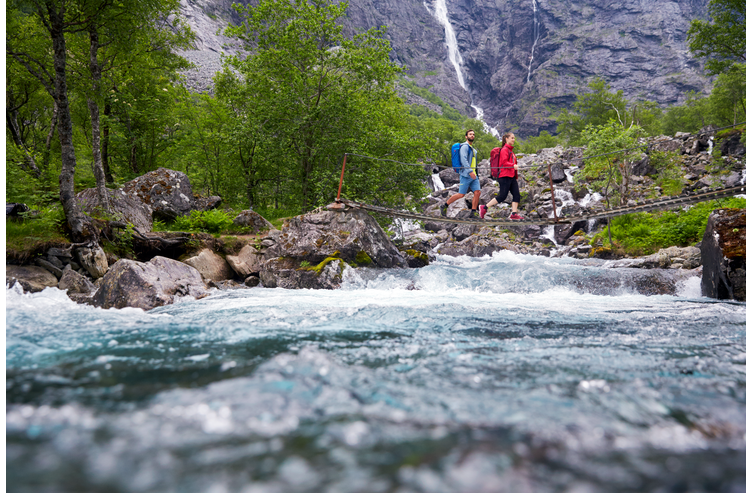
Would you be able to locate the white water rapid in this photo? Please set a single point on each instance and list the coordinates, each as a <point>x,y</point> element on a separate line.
<point>503,373</point>
<point>535,37</point>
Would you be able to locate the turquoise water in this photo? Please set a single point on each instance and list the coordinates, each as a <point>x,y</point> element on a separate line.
<point>470,375</point>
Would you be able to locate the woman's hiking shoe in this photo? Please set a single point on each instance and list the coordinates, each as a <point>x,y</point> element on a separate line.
<point>443,210</point>
<point>482,210</point>
<point>516,217</point>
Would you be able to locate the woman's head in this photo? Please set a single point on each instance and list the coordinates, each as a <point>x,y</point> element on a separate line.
<point>508,138</point>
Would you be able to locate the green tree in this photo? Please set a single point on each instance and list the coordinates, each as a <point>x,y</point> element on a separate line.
<point>727,100</point>
<point>596,107</point>
<point>58,18</point>
<point>722,40</point>
<point>611,150</point>
<point>319,93</point>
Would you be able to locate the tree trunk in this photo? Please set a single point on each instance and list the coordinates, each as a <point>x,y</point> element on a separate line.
<point>81,228</point>
<point>11,120</point>
<point>106,144</point>
<point>96,73</point>
<point>50,136</point>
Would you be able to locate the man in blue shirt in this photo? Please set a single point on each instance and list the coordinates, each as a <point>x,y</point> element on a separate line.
<point>468,176</point>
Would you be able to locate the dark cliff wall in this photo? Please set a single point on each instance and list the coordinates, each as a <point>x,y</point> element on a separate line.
<point>638,46</point>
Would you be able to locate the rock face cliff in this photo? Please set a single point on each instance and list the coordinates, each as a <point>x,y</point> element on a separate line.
<point>521,60</point>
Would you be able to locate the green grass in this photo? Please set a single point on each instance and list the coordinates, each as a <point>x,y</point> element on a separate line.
<point>36,232</point>
<point>645,233</point>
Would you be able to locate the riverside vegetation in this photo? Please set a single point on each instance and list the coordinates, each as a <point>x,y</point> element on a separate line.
<point>273,133</point>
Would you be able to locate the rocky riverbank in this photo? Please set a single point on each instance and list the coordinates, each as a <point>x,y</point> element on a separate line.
<point>313,250</point>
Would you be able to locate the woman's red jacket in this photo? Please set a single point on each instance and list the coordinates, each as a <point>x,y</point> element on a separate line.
<point>507,160</point>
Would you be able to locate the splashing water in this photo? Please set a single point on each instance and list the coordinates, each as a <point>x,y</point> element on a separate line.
<point>539,374</point>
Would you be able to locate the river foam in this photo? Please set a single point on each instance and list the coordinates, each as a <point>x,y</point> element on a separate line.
<point>464,375</point>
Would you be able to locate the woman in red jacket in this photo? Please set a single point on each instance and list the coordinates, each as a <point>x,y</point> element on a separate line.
<point>507,180</point>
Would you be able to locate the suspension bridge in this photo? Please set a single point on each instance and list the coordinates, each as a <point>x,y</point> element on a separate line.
<point>684,199</point>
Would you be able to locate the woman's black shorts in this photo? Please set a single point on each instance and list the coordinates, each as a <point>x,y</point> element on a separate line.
<point>508,184</point>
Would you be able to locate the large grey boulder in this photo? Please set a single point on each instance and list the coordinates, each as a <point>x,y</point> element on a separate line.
<point>148,285</point>
<point>211,266</point>
<point>312,250</point>
<point>351,235</point>
<point>31,278</point>
<point>290,274</point>
<point>123,207</point>
<point>723,255</point>
<point>166,191</point>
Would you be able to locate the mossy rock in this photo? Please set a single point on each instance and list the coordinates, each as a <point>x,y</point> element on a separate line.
<point>416,258</point>
<point>363,259</point>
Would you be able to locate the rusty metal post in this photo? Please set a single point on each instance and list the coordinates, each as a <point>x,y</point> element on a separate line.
<point>342,175</point>
<point>551,188</point>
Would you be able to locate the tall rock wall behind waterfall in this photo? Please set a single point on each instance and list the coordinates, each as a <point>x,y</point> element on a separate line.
<point>638,46</point>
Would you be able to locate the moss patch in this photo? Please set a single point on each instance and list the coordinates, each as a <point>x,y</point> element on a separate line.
<point>363,259</point>
<point>418,255</point>
<point>321,265</point>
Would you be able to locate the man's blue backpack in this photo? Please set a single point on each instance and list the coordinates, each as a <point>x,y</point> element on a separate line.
<point>457,164</point>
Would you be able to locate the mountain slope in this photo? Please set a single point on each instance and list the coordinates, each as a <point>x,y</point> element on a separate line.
<point>524,59</point>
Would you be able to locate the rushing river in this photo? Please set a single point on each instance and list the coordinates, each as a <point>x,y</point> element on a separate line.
<point>469,375</point>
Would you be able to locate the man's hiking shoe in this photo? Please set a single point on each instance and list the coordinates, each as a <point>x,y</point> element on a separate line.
<point>474,214</point>
<point>443,210</point>
<point>516,217</point>
<point>482,210</point>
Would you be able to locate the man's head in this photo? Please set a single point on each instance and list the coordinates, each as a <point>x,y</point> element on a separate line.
<point>470,135</point>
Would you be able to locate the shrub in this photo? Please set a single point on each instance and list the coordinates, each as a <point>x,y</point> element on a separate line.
<point>213,221</point>
<point>645,233</point>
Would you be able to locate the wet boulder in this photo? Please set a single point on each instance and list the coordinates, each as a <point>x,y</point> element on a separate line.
<point>313,249</point>
<point>166,191</point>
<point>723,255</point>
<point>352,236</point>
<point>31,278</point>
<point>288,273</point>
<point>148,285</point>
<point>563,232</point>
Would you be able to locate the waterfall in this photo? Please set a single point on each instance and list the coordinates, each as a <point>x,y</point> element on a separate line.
<point>711,144</point>
<point>436,182</point>
<point>535,38</point>
<point>487,128</point>
<point>440,12</point>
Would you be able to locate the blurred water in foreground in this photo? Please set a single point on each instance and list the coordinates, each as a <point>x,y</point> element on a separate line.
<point>469,375</point>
